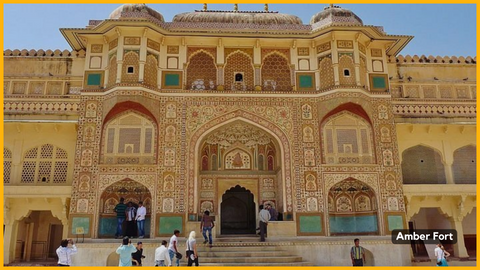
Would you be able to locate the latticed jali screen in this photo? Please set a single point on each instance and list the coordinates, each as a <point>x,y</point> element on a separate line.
<point>7,165</point>
<point>201,66</point>
<point>45,164</point>
<point>275,69</point>
<point>239,62</point>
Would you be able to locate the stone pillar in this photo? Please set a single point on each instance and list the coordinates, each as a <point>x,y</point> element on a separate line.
<point>459,248</point>
<point>336,73</point>
<point>119,59</point>
<point>9,241</point>
<point>449,173</point>
<point>220,78</point>
<point>141,72</point>
<point>119,71</point>
<point>258,77</point>
<point>143,57</point>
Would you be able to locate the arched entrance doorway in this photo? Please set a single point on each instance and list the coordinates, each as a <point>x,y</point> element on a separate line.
<point>237,211</point>
<point>131,191</point>
<point>38,236</point>
<point>240,153</point>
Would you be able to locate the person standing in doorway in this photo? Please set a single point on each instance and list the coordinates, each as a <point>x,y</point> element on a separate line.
<point>172,247</point>
<point>125,251</point>
<point>264,216</point>
<point>120,209</point>
<point>140,218</point>
<point>162,258</point>
<point>206,225</point>
<point>130,231</point>
<point>357,254</point>
<point>138,256</point>
<point>65,252</point>
<point>273,212</point>
<point>192,249</point>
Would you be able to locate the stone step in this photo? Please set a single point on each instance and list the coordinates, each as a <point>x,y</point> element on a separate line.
<point>252,264</point>
<point>250,260</point>
<point>242,253</point>
<point>245,248</point>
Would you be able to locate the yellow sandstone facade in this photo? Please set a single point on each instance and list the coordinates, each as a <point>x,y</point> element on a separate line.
<point>227,110</point>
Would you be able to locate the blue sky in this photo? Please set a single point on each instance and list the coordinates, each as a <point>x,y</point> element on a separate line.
<point>439,29</point>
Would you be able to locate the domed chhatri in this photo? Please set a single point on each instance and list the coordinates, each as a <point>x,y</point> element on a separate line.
<point>238,17</point>
<point>135,10</point>
<point>335,14</point>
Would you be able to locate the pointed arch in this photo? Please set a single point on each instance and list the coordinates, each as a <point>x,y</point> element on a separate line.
<point>265,125</point>
<point>422,165</point>
<point>131,60</point>
<point>465,164</point>
<point>239,61</point>
<point>276,69</point>
<point>201,66</point>
<point>347,136</point>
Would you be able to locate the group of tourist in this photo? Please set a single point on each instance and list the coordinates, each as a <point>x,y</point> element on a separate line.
<point>133,216</point>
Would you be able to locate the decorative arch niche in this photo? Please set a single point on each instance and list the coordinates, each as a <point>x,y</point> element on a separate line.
<point>347,138</point>
<point>129,138</point>
<point>352,209</point>
<point>239,146</point>
<point>131,191</point>
<point>201,68</point>
<point>422,165</point>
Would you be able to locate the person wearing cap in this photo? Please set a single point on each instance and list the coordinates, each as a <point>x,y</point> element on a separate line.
<point>138,256</point>
<point>125,251</point>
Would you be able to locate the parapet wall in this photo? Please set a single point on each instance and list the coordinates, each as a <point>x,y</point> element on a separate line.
<point>432,59</point>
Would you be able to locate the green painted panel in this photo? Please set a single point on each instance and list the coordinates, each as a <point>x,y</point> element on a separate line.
<point>80,222</point>
<point>379,83</point>
<point>168,224</point>
<point>94,79</point>
<point>172,79</point>
<point>353,224</point>
<point>310,224</point>
<point>306,81</point>
<point>108,226</point>
<point>395,223</point>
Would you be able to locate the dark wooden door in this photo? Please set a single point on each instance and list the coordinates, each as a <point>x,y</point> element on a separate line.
<point>238,212</point>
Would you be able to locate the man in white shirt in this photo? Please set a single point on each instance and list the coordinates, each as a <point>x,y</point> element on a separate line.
<point>264,216</point>
<point>140,218</point>
<point>64,252</point>
<point>162,257</point>
<point>172,246</point>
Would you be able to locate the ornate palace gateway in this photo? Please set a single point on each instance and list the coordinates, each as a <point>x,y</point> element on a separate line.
<point>228,110</point>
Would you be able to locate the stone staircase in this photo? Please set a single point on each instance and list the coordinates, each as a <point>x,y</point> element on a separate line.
<point>246,251</point>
